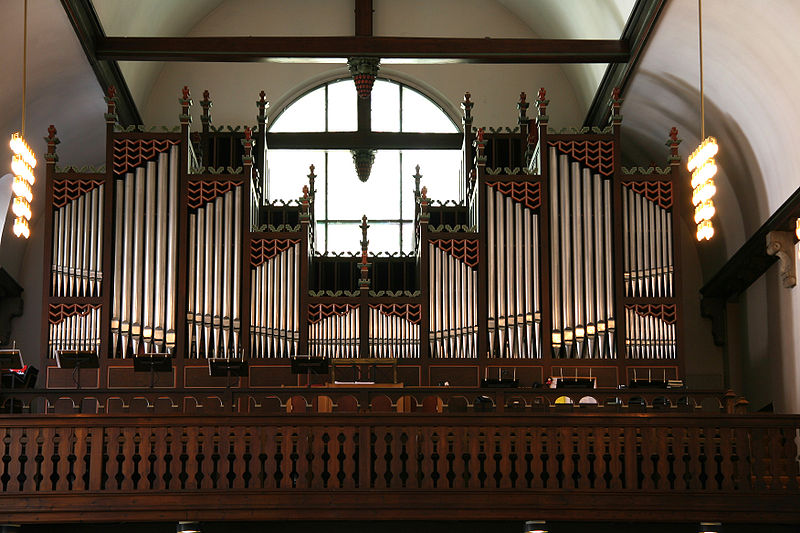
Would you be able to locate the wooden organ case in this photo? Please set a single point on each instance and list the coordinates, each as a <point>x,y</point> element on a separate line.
<point>558,262</point>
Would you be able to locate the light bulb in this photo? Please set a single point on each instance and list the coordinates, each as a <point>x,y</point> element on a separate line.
<point>21,208</point>
<point>705,171</point>
<point>704,211</point>
<point>21,168</point>
<point>797,228</point>
<point>707,149</point>
<point>705,230</point>
<point>22,188</point>
<point>21,148</point>
<point>21,228</point>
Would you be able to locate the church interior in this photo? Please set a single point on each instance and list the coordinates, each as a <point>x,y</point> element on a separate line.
<point>499,265</point>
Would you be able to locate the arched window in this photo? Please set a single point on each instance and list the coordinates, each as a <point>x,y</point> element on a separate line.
<point>387,197</point>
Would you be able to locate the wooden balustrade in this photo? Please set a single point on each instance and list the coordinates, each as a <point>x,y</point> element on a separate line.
<point>483,459</point>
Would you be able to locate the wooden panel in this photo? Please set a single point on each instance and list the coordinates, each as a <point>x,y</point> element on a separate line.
<point>462,376</point>
<point>125,377</point>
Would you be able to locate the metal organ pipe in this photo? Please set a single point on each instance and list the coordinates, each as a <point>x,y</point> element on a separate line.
<point>145,241</point>
<point>581,276</point>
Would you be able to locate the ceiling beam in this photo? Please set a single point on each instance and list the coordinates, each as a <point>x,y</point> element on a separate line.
<point>640,25</point>
<point>364,12</point>
<point>89,31</point>
<point>411,49</point>
<point>358,139</point>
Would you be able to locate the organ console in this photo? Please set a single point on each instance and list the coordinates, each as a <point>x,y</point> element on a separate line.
<point>556,261</point>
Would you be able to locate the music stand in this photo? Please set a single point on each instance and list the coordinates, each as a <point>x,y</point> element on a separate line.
<point>219,367</point>
<point>152,362</point>
<point>77,359</point>
<point>308,365</point>
<point>11,359</point>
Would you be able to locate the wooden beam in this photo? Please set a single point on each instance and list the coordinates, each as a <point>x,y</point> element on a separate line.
<point>413,49</point>
<point>748,264</point>
<point>638,29</point>
<point>363,18</point>
<point>89,31</point>
<point>362,139</point>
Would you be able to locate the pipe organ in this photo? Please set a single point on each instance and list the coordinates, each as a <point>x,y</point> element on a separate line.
<point>558,260</point>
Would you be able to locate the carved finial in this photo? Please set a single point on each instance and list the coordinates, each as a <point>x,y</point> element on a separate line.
<point>51,132</point>
<point>672,143</point>
<point>305,191</point>
<point>522,97</point>
<point>542,93</point>
<point>262,96</point>
<point>206,94</point>
<point>480,135</point>
<point>417,177</point>
<point>615,93</point>
<point>185,92</point>
<point>424,193</point>
<point>112,91</point>
<point>248,133</point>
<point>467,97</point>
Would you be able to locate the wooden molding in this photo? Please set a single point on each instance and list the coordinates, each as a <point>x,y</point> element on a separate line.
<point>89,31</point>
<point>415,49</point>
<point>638,29</point>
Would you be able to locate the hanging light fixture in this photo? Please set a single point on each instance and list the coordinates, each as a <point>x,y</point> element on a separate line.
<point>701,163</point>
<point>23,161</point>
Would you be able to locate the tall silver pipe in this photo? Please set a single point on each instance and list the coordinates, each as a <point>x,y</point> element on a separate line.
<point>226,237</point>
<point>149,258</point>
<point>209,272</point>
<point>608,260</point>
<point>119,245</point>
<point>127,263</point>
<point>589,263</point>
<point>160,260</point>
<point>577,263</point>
<point>138,244</point>
<point>566,253</point>
<point>99,236</point>
<point>555,253</point>
<point>80,240</point>
<point>491,230</point>
<point>55,271</point>
<point>172,249</point>
<point>237,266</point>
<point>91,265</point>
<point>218,254</point>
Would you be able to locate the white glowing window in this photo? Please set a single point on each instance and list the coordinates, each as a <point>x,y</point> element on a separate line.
<point>387,197</point>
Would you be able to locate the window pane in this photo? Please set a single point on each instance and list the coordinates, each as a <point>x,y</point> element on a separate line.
<point>342,106</point>
<point>343,238</point>
<point>383,238</point>
<point>422,115</point>
<point>305,114</point>
<point>385,106</point>
<point>349,198</point>
<point>408,237</point>
<point>288,172</point>
<point>440,171</point>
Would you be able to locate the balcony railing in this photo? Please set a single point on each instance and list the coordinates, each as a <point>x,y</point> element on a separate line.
<point>594,465</point>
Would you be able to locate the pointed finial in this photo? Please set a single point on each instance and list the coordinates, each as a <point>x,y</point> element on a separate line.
<point>51,133</point>
<point>480,135</point>
<point>522,97</point>
<point>206,94</point>
<point>248,133</point>
<point>185,92</point>
<point>673,133</point>
<point>542,93</point>
<point>262,96</point>
<point>112,91</point>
